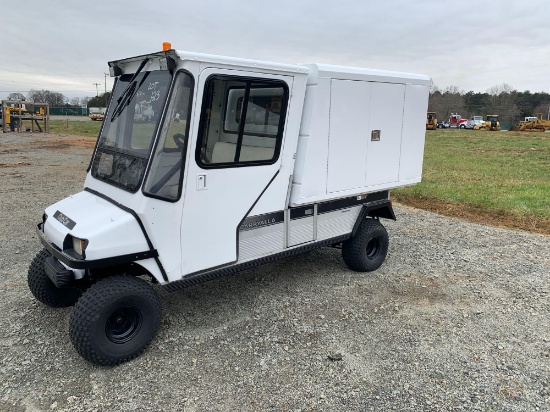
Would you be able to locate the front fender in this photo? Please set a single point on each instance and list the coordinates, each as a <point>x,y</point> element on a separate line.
<point>109,230</point>
<point>74,263</point>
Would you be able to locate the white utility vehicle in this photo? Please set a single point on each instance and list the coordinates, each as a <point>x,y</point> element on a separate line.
<point>207,165</point>
<point>97,113</point>
<point>474,121</point>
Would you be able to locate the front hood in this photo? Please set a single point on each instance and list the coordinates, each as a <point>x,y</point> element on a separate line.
<point>110,231</point>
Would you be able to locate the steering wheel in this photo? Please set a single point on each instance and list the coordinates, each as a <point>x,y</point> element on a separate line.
<point>179,139</point>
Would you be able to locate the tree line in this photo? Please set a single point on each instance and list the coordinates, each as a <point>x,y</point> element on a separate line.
<point>503,100</point>
<point>510,104</point>
<point>55,99</point>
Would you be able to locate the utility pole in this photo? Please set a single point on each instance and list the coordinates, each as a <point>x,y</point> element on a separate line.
<point>96,89</point>
<point>106,74</point>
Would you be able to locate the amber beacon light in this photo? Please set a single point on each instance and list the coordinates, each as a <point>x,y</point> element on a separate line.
<point>166,46</point>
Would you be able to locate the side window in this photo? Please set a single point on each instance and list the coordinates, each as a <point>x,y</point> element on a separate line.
<point>242,121</point>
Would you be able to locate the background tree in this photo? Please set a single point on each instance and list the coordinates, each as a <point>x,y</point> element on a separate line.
<point>433,87</point>
<point>16,96</point>
<point>100,101</point>
<point>475,103</point>
<point>54,99</point>
<point>543,108</point>
<point>75,101</point>
<point>446,102</point>
<point>501,100</point>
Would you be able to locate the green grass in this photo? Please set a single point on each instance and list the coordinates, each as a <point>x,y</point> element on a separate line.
<point>503,173</point>
<point>86,129</point>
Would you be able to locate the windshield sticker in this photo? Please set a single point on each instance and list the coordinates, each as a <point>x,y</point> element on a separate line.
<point>64,220</point>
<point>155,94</point>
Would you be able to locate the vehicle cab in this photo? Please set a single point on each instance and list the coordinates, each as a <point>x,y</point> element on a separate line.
<point>145,164</point>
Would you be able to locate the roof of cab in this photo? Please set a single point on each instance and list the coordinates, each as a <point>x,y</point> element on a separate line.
<point>240,62</point>
<point>227,61</point>
<point>314,70</point>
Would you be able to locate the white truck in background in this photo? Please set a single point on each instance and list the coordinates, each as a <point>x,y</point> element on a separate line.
<point>97,113</point>
<point>241,163</point>
<point>474,121</point>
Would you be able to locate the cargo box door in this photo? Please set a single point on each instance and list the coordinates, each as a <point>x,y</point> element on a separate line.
<point>384,133</point>
<point>348,134</point>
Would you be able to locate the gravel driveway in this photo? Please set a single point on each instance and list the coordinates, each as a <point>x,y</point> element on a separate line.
<point>458,318</point>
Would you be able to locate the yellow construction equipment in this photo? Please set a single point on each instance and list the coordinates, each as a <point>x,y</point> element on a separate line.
<point>491,123</point>
<point>532,124</point>
<point>14,112</point>
<point>431,121</point>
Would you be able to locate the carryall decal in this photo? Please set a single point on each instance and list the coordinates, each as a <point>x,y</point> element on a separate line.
<point>64,220</point>
<point>263,220</point>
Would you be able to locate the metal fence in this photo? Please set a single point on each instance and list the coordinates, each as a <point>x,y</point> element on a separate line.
<point>68,111</point>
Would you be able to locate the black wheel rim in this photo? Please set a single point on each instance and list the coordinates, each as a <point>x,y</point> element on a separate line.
<point>373,247</point>
<point>123,324</point>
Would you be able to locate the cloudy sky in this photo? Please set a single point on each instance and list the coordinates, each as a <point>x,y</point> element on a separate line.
<point>64,45</point>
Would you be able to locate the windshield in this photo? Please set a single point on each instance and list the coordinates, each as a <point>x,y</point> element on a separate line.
<point>129,128</point>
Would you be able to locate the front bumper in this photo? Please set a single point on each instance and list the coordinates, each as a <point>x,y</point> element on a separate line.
<point>75,263</point>
<point>58,274</point>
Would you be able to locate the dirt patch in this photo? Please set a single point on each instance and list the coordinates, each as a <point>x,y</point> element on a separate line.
<point>2,165</point>
<point>512,133</point>
<point>55,146</point>
<point>513,151</point>
<point>65,143</point>
<point>9,150</point>
<point>476,214</point>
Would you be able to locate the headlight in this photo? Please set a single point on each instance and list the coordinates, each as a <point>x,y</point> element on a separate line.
<point>79,245</point>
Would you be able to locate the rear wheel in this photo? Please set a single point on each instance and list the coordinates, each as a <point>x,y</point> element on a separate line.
<point>115,320</point>
<point>43,288</point>
<point>367,250</point>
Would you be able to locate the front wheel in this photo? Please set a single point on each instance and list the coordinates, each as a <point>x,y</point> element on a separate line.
<point>115,320</point>
<point>367,250</point>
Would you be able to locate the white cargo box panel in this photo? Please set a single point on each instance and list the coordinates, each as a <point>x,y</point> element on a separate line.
<point>362,130</point>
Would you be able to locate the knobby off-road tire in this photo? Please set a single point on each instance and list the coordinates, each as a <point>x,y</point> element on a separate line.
<point>43,288</point>
<point>367,250</point>
<point>115,320</point>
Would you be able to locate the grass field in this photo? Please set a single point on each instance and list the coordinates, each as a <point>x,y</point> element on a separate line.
<point>87,129</point>
<point>500,178</point>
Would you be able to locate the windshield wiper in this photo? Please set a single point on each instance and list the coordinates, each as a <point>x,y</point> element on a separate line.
<point>130,91</point>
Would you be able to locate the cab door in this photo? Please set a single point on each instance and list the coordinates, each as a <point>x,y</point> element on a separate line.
<point>235,154</point>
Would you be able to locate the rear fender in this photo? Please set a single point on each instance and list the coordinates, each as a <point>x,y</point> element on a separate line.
<point>381,209</point>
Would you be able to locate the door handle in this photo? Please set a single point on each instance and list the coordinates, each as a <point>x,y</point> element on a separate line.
<point>201,182</point>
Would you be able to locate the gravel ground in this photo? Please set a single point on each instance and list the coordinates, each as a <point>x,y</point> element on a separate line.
<point>456,319</point>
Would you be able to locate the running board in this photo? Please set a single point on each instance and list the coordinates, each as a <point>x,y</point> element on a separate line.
<point>206,276</point>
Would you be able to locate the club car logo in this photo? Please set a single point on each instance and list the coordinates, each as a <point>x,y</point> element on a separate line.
<point>64,220</point>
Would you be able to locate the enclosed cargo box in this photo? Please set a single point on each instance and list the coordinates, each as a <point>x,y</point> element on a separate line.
<point>362,131</point>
